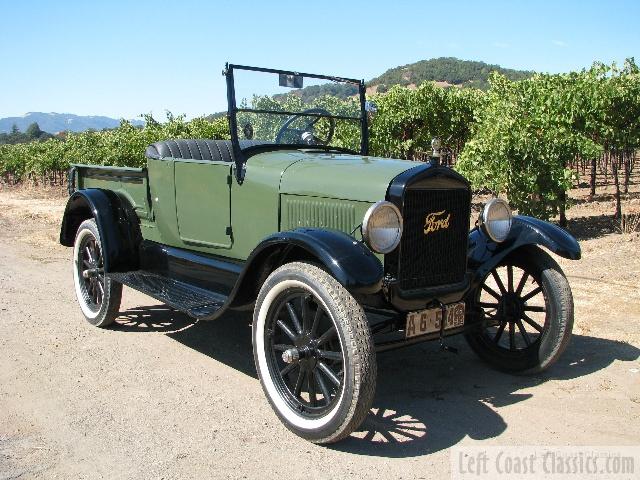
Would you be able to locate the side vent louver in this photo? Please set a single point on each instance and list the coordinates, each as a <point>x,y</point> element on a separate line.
<point>318,212</point>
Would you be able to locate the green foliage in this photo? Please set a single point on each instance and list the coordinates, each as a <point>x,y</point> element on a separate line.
<point>33,131</point>
<point>32,159</point>
<point>407,120</point>
<point>123,146</point>
<point>266,126</point>
<point>527,133</point>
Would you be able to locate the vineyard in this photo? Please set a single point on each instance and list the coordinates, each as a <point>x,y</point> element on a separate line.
<point>530,140</point>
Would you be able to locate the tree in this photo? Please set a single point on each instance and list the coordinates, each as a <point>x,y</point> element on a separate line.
<point>33,131</point>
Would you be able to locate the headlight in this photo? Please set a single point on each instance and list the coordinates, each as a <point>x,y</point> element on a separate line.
<point>382,227</point>
<point>495,219</point>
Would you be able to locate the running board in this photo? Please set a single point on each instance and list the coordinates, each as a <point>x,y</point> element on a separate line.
<point>193,301</point>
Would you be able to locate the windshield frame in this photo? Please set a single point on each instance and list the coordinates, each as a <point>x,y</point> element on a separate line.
<point>241,155</point>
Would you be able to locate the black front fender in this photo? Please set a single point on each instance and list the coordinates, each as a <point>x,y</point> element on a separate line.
<point>485,254</point>
<point>118,230</point>
<point>349,261</point>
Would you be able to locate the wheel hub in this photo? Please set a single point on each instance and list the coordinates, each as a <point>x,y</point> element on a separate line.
<point>90,272</point>
<point>302,341</point>
<point>512,306</point>
<point>291,355</point>
<point>306,355</point>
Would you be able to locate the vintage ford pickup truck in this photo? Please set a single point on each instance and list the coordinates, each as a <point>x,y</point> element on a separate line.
<point>339,254</point>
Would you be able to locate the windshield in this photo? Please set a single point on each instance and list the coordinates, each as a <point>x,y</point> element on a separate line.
<point>281,108</point>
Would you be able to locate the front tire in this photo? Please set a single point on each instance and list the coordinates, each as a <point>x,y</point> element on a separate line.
<point>99,296</point>
<point>527,306</point>
<point>313,352</point>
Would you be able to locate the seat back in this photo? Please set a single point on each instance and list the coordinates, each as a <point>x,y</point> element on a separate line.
<point>193,149</point>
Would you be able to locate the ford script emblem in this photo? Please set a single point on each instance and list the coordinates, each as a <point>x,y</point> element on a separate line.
<point>435,221</point>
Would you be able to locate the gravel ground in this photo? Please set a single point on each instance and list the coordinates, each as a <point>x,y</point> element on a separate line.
<point>159,396</point>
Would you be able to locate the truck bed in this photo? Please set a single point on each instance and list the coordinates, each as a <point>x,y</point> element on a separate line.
<point>130,183</point>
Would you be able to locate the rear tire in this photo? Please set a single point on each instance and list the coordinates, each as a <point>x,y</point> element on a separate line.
<point>313,352</point>
<point>528,326</point>
<point>99,296</point>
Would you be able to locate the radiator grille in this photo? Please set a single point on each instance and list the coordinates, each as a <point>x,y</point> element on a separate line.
<point>438,257</point>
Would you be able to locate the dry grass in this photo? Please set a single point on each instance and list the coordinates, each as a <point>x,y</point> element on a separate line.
<point>26,203</point>
<point>30,191</point>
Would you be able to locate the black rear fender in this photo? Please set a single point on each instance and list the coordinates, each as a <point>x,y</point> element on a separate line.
<point>117,223</point>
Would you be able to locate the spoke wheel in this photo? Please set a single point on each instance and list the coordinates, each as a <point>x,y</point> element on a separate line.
<point>527,313</point>
<point>306,357</point>
<point>514,305</point>
<point>313,351</point>
<point>98,296</point>
<point>91,272</point>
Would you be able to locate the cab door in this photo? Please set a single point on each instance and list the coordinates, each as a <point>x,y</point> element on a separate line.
<point>203,202</point>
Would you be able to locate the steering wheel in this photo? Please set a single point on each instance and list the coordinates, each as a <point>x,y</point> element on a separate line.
<point>305,133</point>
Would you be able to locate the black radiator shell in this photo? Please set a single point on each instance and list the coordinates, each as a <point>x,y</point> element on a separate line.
<point>426,267</point>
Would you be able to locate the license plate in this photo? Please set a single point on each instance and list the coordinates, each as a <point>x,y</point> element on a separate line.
<point>428,321</point>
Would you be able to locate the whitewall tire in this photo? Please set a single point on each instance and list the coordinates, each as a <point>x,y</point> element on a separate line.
<point>99,297</point>
<point>313,352</point>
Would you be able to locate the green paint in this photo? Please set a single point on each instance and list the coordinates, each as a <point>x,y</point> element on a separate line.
<point>305,211</point>
<point>200,206</point>
<point>348,177</point>
<point>203,187</point>
<point>129,183</point>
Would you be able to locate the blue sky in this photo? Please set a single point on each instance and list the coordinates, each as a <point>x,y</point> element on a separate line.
<point>122,58</point>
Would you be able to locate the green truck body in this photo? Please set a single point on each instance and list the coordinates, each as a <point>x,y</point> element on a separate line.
<point>338,253</point>
<point>199,205</point>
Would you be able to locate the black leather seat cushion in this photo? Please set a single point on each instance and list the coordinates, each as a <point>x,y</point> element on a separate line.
<point>194,149</point>
<point>199,149</point>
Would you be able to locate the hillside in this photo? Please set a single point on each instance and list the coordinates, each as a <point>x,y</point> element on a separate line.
<point>340,90</point>
<point>57,122</point>
<point>446,71</point>
<point>464,73</point>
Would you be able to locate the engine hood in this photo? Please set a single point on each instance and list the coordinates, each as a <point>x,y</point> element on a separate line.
<point>342,176</point>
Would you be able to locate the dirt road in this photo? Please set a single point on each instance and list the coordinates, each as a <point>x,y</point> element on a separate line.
<point>160,396</point>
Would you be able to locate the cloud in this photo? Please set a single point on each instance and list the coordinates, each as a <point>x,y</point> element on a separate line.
<point>500,44</point>
<point>559,43</point>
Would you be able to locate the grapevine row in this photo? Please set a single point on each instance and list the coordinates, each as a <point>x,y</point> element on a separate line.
<point>528,140</point>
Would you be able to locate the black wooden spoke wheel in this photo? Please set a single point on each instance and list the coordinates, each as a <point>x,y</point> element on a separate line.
<point>313,352</point>
<point>306,356</point>
<point>527,310</point>
<point>91,272</point>
<point>99,296</point>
